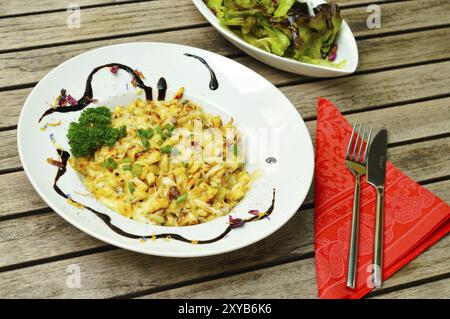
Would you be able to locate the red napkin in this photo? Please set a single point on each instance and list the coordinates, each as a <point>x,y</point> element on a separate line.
<point>414,218</point>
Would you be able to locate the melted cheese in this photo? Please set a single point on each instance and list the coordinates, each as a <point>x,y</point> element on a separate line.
<point>203,170</point>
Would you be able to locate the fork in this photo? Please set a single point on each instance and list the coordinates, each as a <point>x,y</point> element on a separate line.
<point>356,160</point>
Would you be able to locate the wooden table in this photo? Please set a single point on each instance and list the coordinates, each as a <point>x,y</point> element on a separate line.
<point>403,83</point>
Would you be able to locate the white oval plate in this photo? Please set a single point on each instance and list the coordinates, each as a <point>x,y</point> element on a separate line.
<point>347,49</point>
<point>255,104</point>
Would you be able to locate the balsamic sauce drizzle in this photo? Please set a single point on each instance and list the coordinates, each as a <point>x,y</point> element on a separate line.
<point>87,97</point>
<point>213,84</point>
<point>162,89</point>
<point>107,219</point>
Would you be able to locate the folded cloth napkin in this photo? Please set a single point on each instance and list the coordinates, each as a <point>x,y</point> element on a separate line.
<point>414,218</point>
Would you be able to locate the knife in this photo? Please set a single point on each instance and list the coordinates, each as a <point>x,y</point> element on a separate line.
<point>376,175</point>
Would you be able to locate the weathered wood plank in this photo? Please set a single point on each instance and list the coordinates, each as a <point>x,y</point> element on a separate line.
<point>367,91</point>
<point>18,195</point>
<point>298,279</point>
<point>11,107</point>
<point>405,123</point>
<point>375,53</point>
<point>51,28</point>
<point>15,235</point>
<point>111,21</point>
<point>32,65</point>
<point>287,281</point>
<point>9,158</point>
<point>8,8</point>
<point>433,290</point>
<point>40,236</point>
<point>400,16</point>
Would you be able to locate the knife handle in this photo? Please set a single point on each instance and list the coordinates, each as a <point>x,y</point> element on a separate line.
<point>353,250</point>
<point>378,241</point>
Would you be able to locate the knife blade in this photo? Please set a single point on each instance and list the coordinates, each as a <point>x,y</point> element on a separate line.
<point>376,176</point>
<point>376,164</point>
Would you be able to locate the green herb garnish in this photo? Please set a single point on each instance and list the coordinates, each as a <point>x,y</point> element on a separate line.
<point>110,163</point>
<point>92,131</point>
<point>169,127</point>
<point>136,169</point>
<point>235,149</point>
<point>122,131</point>
<point>145,142</point>
<point>182,198</point>
<point>166,149</point>
<point>145,134</point>
<point>131,187</point>
<point>126,167</point>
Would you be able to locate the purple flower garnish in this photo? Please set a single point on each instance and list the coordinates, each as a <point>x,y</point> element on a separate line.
<point>62,99</point>
<point>72,101</point>
<point>333,53</point>
<point>254,212</point>
<point>235,222</point>
<point>114,69</point>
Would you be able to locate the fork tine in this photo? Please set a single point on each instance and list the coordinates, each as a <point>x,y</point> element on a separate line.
<point>363,136</point>
<point>350,141</point>
<point>356,140</point>
<point>367,145</point>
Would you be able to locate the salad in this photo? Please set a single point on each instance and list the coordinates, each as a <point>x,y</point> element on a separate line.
<point>284,27</point>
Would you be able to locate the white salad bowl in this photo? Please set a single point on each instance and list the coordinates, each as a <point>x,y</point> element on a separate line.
<point>347,49</point>
<point>271,126</point>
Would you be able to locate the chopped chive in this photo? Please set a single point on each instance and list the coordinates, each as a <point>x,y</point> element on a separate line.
<point>169,127</point>
<point>110,163</point>
<point>136,169</point>
<point>131,187</point>
<point>145,134</point>
<point>149,132</point>
<point>158,130</point>
<point>235,149</point>
<point>126,160</point>
<point>166,149</point>
<point>126,167</point>
<point>122,131</point>
<point>145,142</point>
<point>182,198</point>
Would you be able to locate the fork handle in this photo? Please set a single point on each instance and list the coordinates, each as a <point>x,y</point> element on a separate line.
<point>353,251</point>
<point>378,241</point>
